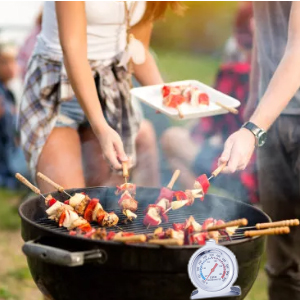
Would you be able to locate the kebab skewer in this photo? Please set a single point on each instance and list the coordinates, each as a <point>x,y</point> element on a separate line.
<point>127,203</point>
<point>61,213</point>
<point>90,209</point>
<point>203,182</point>
<point>155,212</point>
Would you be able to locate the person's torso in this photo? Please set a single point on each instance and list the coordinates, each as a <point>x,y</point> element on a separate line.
<point>106,28</point>
<point>272,22</point>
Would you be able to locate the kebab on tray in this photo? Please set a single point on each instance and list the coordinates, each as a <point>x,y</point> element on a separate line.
<point>175,95</point>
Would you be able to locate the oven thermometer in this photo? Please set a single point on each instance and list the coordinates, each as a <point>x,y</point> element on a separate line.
<point>213,269</point>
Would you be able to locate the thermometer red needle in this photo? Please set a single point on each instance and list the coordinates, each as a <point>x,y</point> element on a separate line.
<point>211,271</point>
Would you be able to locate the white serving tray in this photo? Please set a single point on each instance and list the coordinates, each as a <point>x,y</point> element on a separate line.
<point>152,96</point>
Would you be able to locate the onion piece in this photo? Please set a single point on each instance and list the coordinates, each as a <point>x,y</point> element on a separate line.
<point>52,209</point>
<point>76,199</point>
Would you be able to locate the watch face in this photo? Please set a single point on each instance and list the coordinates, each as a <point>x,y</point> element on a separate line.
<point>262,136</point>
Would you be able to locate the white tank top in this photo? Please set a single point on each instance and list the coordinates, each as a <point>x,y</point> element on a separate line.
<point>106,28</point>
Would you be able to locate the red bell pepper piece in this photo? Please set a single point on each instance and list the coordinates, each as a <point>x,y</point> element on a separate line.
<point>203,180</point>
<point>207,222</point>
<point>62,219</point>
<point>203,99</point>
<point>126,234</point>
<point>85,227</point>
<point>90,233</point>
<point>67,202</point>
<point>88,213</point>
<point>166,90</point>
<point>100,216</point>
<point>149,221</point>
<point>178,226</point>
<point>110,235</point>
<point>199,239</point>
<point>188,235</point>
<point>175,100</point>
<point>165,217</point>
<point>51,202</point>
<point>180,195</point>
<point>165,193</point>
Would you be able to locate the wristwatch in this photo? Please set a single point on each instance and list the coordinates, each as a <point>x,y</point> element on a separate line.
<point>260,134</point>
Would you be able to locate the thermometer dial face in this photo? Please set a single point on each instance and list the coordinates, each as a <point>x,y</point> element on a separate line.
<point>213,270</point>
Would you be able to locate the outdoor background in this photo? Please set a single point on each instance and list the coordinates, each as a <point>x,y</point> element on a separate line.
<point>188,47</point>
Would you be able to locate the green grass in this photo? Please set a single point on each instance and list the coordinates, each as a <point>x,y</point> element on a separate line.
<point>176,66</point>
<point>20,274</point>
<point>6,295</point>
<point>9,218</point>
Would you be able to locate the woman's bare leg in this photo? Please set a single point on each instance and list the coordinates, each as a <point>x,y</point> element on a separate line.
<point>180,151</point>
<point>146,172</point>
<point>61,160</point>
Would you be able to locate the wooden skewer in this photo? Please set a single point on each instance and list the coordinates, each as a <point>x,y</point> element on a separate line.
<point>29,185</point>
<point>217,171</point>
<point>165,242</point>
<point>118,227</point>
<point>239,222</point>
<point>230,109</point>
<point>173,179</point>
<point>293,222</point>
<point>139,238</point>
<point>125,170</point>
<point>181,116</point>
<point>270,231</point>
<point>54,184</point>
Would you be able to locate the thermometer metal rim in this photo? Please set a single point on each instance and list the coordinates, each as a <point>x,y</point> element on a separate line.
<point>211,245</point>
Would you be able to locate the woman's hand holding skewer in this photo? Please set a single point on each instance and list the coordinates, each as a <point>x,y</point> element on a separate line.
<point>112,147</point>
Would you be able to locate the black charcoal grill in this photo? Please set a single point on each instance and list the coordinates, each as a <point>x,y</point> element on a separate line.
<point>71,267</point>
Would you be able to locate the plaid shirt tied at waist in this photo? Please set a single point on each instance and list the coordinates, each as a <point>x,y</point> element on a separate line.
<point>47,85</point>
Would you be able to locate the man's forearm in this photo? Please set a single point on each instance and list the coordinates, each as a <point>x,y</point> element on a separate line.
<point>282,87</point>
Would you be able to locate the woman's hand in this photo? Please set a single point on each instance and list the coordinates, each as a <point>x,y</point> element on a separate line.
<point>238,150</point>
<point>112,147</point>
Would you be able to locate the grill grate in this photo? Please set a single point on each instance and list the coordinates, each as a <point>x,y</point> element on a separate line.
<point>137,225</point>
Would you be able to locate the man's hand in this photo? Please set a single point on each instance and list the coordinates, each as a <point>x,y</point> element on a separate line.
<point>238,150</point>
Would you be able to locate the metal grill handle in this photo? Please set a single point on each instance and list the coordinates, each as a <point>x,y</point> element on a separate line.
<point>62,257</point>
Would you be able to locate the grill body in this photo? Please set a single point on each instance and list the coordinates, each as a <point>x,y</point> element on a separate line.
<point>133,271</point>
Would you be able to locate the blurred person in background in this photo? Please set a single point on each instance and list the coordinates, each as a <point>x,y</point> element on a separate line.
<point>59,132</point>
<point>205,141</point>
<point>275,78</point>
<point>12,159</point>
<point>27,47</point>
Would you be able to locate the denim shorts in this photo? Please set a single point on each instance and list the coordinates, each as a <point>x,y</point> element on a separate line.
<point>71,115</point>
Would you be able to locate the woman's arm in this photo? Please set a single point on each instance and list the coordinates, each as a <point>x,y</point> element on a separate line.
<point>146,73</point>
<point>73,38</point>
<point>282,87</point>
